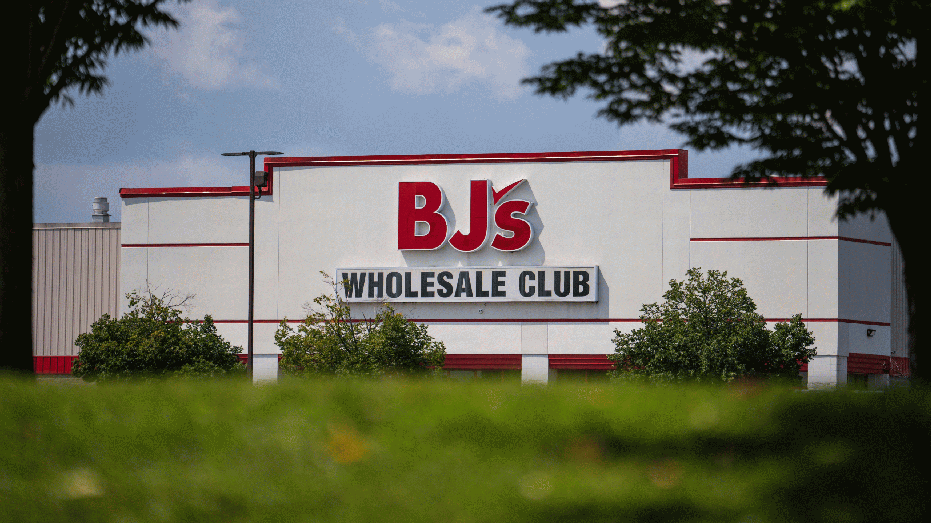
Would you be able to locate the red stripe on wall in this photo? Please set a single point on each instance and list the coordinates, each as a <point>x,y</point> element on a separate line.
<point>245,357</point>
<point>53,364</point>
<point>569,320</point>
<point>581,361</point>
<point>858,363</point>
<point>482,361</point>
<point>791,238</point>
<point>185,244</point>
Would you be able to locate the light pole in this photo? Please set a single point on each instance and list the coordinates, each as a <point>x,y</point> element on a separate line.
<point>252,184</point>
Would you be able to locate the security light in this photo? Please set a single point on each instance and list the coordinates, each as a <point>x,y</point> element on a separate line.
<point>260,179</point>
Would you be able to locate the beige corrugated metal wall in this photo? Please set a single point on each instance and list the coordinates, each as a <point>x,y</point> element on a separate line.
<point>75,280</point>
<point>899,312</point>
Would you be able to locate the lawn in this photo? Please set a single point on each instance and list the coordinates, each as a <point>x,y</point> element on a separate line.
<point>442,450</point>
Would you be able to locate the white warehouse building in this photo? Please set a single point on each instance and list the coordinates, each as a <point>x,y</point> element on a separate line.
<point>520,262</point>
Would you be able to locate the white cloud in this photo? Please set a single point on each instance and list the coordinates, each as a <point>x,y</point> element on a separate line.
<point>423,59</point>
<point>388,6</point>
<point>208,50</point>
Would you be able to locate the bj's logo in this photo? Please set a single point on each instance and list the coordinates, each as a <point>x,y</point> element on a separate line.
<point>421,202</point>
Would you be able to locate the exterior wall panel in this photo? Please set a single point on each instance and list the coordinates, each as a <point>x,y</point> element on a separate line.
<point>760,213</point>
<point>774,272</point>
<point>641,222</point>
<point>76,274</point>
<point>864,272</point>
<point>898,306</point>
<point>863,227</point>
<point>821,211</point>
<point>822,279</point>
<point>205,220</point>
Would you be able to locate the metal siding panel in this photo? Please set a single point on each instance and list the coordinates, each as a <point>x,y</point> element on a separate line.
<point>113,278</point>
<point>74,320</point>
<point>57,293</point>
<point>105,276</point>
<point>98,272</point>
<point>68,306</point>
<point>100,300</point>
<point>44,276</point>
<point>84,283</point>
<point>35,289</point>
<point>75,276</point>
<point>93,297</point>
<point>61,304</point>
<point>87,283</point>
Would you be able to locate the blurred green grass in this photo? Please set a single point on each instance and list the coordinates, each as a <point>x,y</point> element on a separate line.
<point>443,450</point>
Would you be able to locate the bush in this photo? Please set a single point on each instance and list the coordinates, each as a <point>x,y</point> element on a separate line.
<point>331,342</point>
<point>153,340</point>
<point>708,330</point>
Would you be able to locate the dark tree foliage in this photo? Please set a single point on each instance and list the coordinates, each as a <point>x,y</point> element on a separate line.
<point>53,49</point>
<point>818,88</point>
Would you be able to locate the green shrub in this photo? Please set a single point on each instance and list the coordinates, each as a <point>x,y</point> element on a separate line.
<point>331,342</point>
<point>708,330</point>
<point>153,340</point>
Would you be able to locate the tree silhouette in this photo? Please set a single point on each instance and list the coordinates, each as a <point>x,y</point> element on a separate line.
<point>818,88</point>
<point>52,49</point>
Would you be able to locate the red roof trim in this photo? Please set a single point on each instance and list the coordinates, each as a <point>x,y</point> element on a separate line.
<point>679,180</point>
<point>181,192</point>
<point>439,159</point>
<point>678,171</point>
<point>271,162</point>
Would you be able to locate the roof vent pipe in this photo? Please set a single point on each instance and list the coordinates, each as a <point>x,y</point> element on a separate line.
<point>101,208</point>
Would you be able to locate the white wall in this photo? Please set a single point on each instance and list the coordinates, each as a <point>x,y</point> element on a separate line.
<point>619,215</point>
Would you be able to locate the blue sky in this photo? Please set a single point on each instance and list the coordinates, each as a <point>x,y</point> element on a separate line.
<point>320,78</point>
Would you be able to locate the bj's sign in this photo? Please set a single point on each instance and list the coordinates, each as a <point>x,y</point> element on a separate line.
<point>495,217</point>
<point>482,284</point>
<point>422,203</point>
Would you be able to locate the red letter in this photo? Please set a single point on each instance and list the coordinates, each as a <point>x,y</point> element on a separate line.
<point>409,215</point>
<point>479,219</point>
<point>521,229</point>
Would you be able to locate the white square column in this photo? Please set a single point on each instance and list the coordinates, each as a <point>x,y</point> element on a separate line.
<point>264,367</point>
<point>534,348</point>
<point>535,368</point>
<point>827,371</point>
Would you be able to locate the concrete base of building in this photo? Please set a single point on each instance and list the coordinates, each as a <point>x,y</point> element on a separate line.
<point>535,368</point>
<point>264,367</point>
<point>827,371</point>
